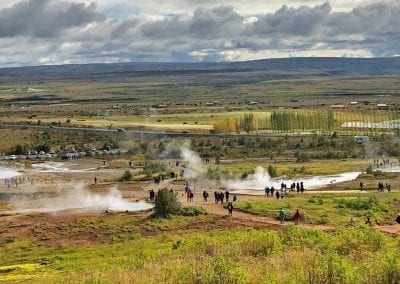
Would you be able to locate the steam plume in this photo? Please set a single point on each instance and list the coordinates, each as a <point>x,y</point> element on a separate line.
<point>79,198</point>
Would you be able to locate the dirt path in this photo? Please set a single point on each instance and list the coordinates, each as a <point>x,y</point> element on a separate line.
<point>390,229</point>
<point>264,221</point>
<point>250,219</point>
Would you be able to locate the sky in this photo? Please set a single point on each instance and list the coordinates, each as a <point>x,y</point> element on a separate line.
<point>38,32</point>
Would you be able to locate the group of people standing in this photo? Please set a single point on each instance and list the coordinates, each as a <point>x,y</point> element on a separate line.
<point>382,163</point>
<point>383,187</point>
<point>18,180</point>
<point>298,187</point>
<point>272,192</point>
<point>220,196</point>
<point>269,192</point>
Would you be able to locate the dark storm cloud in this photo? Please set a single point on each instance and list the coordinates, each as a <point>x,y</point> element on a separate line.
<point>44,18</point>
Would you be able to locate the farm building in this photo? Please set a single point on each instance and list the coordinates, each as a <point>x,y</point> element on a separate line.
<point>253,103</point>
<point>382,106</point>
<point>337,106</point>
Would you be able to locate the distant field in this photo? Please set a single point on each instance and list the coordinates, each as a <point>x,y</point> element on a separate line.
<point>193,121</point>
<point>226,89</point>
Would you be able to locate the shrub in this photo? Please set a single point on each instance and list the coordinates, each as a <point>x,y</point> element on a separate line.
<point>316,200</point>
<point>192,211</point>
<point>370,203</point>
<point>245,174</point>
<point>262,244</point>
<point>166,203</point>
<point>225,270</point>
<point>272,171</point>
<point>127,176</point>
<point>302,157</point>
<point>177,245</point>
<point>154,168</point>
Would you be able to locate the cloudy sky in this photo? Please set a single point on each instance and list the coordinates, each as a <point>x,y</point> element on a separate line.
<point>35,32</point>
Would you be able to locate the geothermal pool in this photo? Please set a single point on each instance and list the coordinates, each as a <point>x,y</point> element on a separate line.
<point>5,173</point>
<point>261,178</point>
<point>55,167</point>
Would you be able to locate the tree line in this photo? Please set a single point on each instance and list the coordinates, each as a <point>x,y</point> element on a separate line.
<point>314,122</point>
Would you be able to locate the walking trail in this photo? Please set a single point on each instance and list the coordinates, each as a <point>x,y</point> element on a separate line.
<point>247,218</point>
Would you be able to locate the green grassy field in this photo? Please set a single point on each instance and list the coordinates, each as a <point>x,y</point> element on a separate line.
<point>330,209</point>
<point>292,255</point>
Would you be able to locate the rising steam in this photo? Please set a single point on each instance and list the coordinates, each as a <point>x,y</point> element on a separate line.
<point>79,198</point>
<point>192,164</point>
<point>258,180</point>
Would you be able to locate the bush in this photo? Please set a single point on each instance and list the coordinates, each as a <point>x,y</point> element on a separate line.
<point>127,176</point>
<point>154,168</point>
<point>192,211</point>
<point>245,174</point>
<point>370,203</point>
<point>272,171</point>
<point>316,200</point>
<point>166,203</point>
<point>302,157</point>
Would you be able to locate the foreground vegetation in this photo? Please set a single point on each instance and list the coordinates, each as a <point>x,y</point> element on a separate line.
<point>291,255</point>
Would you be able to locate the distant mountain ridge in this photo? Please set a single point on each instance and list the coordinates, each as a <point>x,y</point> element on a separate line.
<point>329,65</point>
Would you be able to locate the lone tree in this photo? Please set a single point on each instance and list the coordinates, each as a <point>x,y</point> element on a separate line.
<point>166,203</point>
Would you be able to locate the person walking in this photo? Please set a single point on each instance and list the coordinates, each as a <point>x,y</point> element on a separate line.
<point>205,196</point>
<point>272,190</point>
<point>281,216</point>
<point>230,208</point>
<point>266,191</point>
<point>368,222</point>
<point>227,195</point>
<point>297,217</point>
<point>221,197</point>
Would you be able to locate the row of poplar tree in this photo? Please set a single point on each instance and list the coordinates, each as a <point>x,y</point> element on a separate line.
<point>313,121</point>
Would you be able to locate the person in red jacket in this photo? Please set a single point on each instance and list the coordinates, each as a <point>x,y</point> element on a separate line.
<point>297,217</point>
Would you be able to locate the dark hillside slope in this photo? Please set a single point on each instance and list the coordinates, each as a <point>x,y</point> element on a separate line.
<point>327,66</point>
